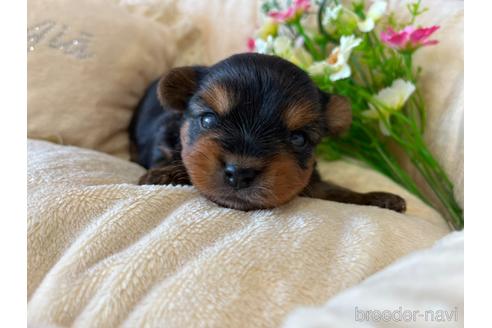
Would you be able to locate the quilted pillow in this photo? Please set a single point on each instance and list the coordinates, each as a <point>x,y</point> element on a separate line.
<point>89,63</point>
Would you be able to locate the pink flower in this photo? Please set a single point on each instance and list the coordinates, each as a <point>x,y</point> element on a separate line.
<point>297,8</point>
<point>251,44</point>
<point>409,38</point>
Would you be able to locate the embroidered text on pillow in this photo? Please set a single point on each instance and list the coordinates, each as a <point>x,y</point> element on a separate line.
<point>79,47</point>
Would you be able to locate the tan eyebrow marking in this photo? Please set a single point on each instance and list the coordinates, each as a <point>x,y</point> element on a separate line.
<point>300,114</point>
<point>218,98</point>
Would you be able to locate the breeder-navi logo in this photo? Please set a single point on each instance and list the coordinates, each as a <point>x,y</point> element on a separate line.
<point>401,315</point>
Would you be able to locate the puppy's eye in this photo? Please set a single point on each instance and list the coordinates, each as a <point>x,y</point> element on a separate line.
<point>298,139</point>
<point>208,120</point>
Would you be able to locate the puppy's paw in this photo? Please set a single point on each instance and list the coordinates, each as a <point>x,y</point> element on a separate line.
<point>165,175</point>
<point>154,177</point>
<point>385,200</point>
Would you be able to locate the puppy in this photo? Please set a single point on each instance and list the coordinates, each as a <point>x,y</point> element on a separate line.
<point>243,132</point>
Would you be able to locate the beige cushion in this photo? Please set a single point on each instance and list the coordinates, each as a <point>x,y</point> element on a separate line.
<point>215,29</point>
<point>104,252</point>
<point>429,281</point>
<point>89,63</point>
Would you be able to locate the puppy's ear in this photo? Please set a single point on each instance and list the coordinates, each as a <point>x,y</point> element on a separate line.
<point>177,86</point>
<point>337,113</point>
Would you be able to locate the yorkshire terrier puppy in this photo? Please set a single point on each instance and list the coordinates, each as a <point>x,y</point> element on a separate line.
<point>243,132</point>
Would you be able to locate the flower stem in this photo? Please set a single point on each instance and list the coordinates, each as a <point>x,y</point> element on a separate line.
<point>430,169</point>
<point>307,40</point>
<point>368,83</point>
<point>326,36</point>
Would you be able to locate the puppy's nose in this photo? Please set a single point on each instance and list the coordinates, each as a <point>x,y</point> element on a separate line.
<point>238,177</point>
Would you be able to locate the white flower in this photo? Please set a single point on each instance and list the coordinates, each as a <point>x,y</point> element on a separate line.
<point>318,68</point>
<point>331,13</point>
<point>264,47</point>
<point>293,51</point>
<point>392,98</point>
<point>282,46</point>
<point>339,57</point>
<point>299,42</point>
<point>375,12</point>
<point>337,63</point>
<point>395,96</point>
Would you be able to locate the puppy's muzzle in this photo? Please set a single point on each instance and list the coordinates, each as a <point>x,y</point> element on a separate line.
<point>239,177</point>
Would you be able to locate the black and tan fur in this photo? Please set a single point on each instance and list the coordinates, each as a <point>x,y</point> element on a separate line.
<point>243,132</point>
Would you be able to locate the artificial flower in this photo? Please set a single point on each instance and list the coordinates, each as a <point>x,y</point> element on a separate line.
<point>293,52</point>
<point>392,98</point>
<point>410,38</point>
<point>375,12</point>
<point>384,119</point>
<point>292,12</point>
<point>261,46</point>
<point>331,13</point>
<point>282,46</point>
<point>336,65</point>
<point>301,57</point>
<point>339,20</point>
<point>270,27</point>
<point>251,44</point>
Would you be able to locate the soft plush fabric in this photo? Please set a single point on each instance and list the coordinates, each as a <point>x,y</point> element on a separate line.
<point>89,63</point>
<point>215,29</point>
<point>104,252</point>
<point>429,280</point>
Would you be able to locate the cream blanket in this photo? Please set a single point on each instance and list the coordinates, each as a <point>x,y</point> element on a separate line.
<point>424,289</point>
<point>104,252</point>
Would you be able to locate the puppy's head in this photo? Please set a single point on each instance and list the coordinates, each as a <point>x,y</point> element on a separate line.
<point>251,125</point>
